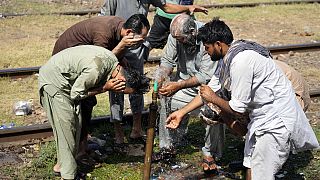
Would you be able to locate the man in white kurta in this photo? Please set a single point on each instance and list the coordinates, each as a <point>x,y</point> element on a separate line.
<point>258,87</point>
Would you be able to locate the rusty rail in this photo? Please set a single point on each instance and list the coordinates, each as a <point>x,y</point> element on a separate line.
<point>209,6</point>
<point>20,72</point>
<point>40,131</point>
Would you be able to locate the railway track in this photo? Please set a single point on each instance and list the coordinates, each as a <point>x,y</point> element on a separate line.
<point>209,6</point>
<point>26,134</point>
<point>20,72</point>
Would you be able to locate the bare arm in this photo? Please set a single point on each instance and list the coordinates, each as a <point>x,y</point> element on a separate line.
<point>175,118</point>
<point>173,87</point>
<point>175,8</point>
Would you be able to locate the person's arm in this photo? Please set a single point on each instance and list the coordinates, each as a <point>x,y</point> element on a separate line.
<point>210,96</point>
<point>233,124</point>
<point>176,8</point>
<point>86,80</point>
<point>126,41</point>
<point>173,87</point>
<point>174,119</point>
<point>115,85</point>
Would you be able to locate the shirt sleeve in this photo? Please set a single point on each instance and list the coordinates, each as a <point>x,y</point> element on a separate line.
<point>109,8</point>
<point>241,74</point>
<point>169,57</point>
<point>206,69</point>
<point>87,79</point>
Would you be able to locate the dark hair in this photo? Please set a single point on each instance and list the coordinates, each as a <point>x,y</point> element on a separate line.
<point>136,80</point>
<point>214,31</point>
<point>137,22</point>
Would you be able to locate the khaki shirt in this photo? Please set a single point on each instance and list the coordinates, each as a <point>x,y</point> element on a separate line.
<point>76,70</point>
<point>298,83</point>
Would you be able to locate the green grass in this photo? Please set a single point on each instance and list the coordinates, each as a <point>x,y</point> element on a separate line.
<point>28,41</point>
<point>121,166</point>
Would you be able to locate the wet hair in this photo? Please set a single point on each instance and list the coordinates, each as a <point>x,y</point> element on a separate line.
<point>137,80</point>
<point>137,22</point>
<point>215,30</point>
<point>182,24</point>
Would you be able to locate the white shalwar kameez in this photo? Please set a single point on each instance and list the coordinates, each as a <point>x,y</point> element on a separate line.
<point>277,122</point>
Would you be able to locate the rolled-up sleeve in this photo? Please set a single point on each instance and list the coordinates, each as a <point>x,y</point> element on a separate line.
<point>241,73</point>
<point>169,57</point>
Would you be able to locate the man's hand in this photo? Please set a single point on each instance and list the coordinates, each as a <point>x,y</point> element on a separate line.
<point>196,8</point>
<point>207,93</point>
<point>131,40</point>
<point>174,119</point>
<point>170,88</point>
<point>116,85</point>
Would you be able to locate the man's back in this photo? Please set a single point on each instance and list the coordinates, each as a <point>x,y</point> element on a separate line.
<point>92,64</point>
<point>298,83</point>
<point>100,31</point>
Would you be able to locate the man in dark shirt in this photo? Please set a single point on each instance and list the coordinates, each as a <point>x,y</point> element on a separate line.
<point>110,32</point>
<point>113,33</point>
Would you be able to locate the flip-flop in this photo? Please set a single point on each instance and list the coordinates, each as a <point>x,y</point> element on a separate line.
<point>211,165</point>
<point>56,173</point>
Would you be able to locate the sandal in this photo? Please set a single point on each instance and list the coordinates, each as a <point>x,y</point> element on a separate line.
<point>56,173</point>
<point>209,165</point>
<point>86,160</point>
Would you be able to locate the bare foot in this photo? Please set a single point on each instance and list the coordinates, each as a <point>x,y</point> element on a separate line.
<point>118,133</point>
<point>136,134</point>
<point>56,168</point>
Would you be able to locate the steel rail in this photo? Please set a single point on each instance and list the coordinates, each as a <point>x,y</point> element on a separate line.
<point>40,131</point>
<point>209,6</point>
<point>19,72</point>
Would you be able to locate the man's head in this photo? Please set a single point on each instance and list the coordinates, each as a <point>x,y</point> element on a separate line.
<point>137,24</point>
<point>183,28</point>
<point>216,37</point>
<point>136,82</point>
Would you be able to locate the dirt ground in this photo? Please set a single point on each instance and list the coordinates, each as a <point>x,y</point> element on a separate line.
<point>268,32</point>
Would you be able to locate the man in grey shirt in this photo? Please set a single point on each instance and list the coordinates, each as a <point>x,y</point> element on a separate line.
<point>194,67</point>
<point>136,57</point>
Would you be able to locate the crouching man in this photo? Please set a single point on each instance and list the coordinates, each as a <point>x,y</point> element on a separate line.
<point>68,77</point>
<point>256,86</point>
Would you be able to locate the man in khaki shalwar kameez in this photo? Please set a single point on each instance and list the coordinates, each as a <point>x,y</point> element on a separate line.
<point>69,76</point>
<point>298,83</point>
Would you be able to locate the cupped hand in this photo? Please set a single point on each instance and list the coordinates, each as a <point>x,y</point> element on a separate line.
<point>174,119</point>
<point>169,89</point>
<point>131,40</point>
